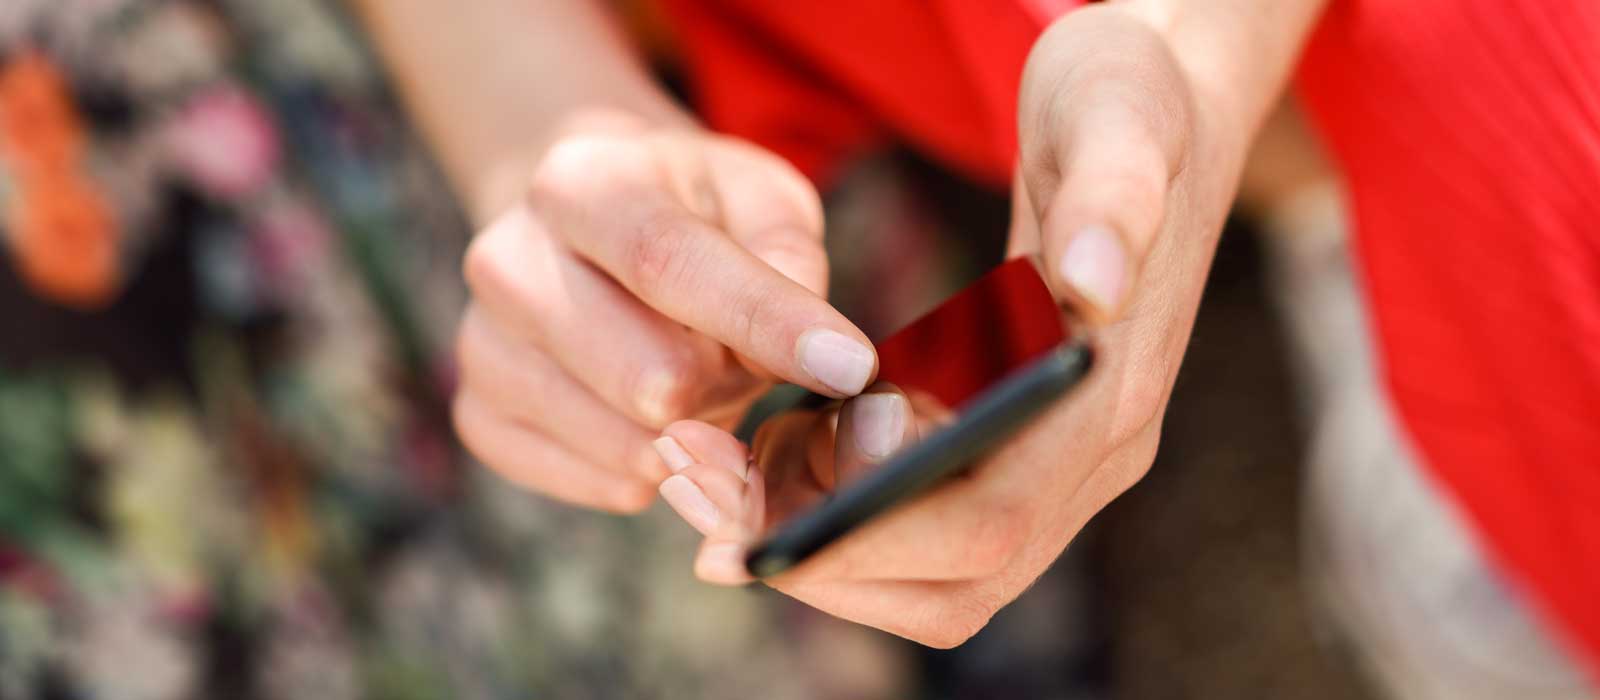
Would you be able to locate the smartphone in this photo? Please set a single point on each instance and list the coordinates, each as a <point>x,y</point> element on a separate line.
<point>1001,352</point>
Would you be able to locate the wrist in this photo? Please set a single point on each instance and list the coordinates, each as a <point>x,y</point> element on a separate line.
<point>1237,56</point>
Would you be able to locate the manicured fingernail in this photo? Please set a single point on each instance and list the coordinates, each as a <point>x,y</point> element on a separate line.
<point>691,503</point>
<point>879,423</point>
<point>1096,265</point>
<point>653,393</point>
<point>844,365</point>
<point>722,563</point>
<point>672,453</point>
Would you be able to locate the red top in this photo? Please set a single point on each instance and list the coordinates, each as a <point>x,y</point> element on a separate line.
<point>1468,131</point>
<point>1469,134</point>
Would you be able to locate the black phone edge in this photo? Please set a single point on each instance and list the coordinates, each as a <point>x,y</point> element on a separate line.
<point>982,423</point>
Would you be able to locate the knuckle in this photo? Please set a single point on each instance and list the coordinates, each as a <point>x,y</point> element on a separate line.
<point>632,499</point>
<point>482,268</point>
<point>664,391</point>
<point>1141,178</point>
<point>1141,405</point>
<point>1140,461</point>
<point>799,258</point>
<point>580,173</point>
<point>1138,457</point>
<point>502,270</point>
<point>633,458</point>
<point>522,393</point>
<point>469,353</point>
<point>571,161</point>
<point>1120,472</point>
<point>796,189</point>
<point>951,622</point>
<point>746,317</point>
<point>465,418</point>
<point>1142,396</point>
<point>1137,195</point>
<point>653,256</point>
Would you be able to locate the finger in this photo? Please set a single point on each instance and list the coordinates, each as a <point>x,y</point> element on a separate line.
<point>821,439</point>
<point>1101,222</point>
<point>931,412</point>
<point>937,614</point>
<point>872,427</point>
<point>525,384</point>
<point>787,483</point>
<point>645,366</point>
<point>1109,137</point>
<point>711,499</point>
<point>793,452</point>
<point>958,531</point>
<point>710,485</point>
<point>965,529</point>
<point>714,476</point>
<point>689,442</point>
<point>1108,480</point>
<point>722,555</point>
<point>536,462</point>
<point>693,273</point>
<point>772,210</point>
<point>721,562</point>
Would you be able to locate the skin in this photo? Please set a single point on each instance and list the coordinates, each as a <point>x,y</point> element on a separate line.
<point>637,272</point>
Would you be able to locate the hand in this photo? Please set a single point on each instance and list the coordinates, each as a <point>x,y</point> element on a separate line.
<point>653,274</point>
<point>1123,183</point>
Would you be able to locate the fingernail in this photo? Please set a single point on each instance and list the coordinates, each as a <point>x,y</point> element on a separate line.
<point>844,365</point>
<point>879,423</point>
<point>691,503</point>
<point>722,563</point>
<point>653,393</point>
<point>672,453</point>
<point>1096,266</point>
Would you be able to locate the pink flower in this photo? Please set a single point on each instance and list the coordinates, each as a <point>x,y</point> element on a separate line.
<point>224,142</point>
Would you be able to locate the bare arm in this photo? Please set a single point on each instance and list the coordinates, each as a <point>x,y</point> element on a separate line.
<point>491,81</point>
<point>1238,53</point>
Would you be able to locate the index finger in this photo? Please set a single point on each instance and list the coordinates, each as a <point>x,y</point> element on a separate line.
<point>695,274</point>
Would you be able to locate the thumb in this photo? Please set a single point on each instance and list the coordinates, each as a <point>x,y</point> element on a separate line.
<point>1101,212</point>
<point>872,427</point>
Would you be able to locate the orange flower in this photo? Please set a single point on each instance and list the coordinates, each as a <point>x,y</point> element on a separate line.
<point>63,234</point>
<point>64,239</point>
<point>39,127</point>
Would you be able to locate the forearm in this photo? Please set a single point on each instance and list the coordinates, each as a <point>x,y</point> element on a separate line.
<point>491,81</point>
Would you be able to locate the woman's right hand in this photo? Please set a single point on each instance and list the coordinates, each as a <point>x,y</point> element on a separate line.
<point>650,274</point>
